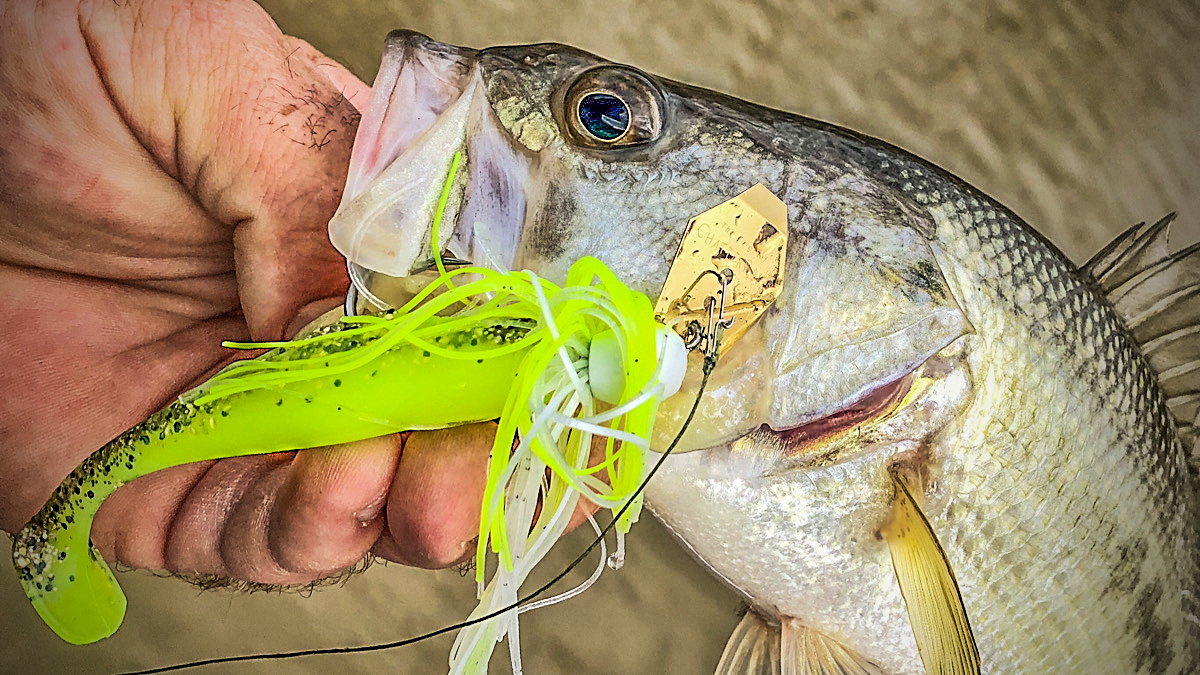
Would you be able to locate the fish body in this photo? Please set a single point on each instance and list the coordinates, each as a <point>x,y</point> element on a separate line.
<point>924,336</point>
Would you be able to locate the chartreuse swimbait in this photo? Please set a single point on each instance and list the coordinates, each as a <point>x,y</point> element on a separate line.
<point>519,351</point>
<point>520,348</point>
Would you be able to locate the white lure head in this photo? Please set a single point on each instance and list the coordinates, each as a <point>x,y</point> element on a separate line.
<point>606,365</point>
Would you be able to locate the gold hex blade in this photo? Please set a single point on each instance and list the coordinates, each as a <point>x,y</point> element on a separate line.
<point>746,235</point>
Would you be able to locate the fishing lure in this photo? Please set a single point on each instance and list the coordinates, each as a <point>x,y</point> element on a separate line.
<point>557,365</point>
<point>522,356</point>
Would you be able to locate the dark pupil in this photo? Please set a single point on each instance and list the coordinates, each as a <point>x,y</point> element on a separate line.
<point>604,116</point>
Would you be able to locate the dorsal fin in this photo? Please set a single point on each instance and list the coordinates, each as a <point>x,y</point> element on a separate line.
<point>1157,293</point>
<point>1128,254</point>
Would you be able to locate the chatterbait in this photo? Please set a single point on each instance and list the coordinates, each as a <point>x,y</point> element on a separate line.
<point>354,380</point>
<point>557,366</point>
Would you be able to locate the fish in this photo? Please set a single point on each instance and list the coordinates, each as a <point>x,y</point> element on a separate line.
<point>944,448</point>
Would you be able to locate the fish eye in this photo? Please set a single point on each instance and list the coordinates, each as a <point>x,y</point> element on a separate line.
<point>610,107</point>
<point>604,116</point>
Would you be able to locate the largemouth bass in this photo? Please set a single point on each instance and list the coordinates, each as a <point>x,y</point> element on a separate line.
<point>944,447</point>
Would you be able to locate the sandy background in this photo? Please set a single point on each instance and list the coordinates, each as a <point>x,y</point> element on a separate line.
<point>1083,117</point>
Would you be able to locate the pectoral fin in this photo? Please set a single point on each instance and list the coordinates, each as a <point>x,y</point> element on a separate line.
<point>935,607</point>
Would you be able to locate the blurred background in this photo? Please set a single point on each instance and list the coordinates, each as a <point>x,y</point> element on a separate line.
<point>1083,117</point>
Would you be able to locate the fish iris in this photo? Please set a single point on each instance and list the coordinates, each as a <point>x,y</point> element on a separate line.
<point>604,116</point>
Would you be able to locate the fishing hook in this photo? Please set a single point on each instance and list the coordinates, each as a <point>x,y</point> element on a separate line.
<point>350,305</point>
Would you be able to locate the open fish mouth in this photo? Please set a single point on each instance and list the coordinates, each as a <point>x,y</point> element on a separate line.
<point>808,440</point>
<point>892,417</point>
<point>428,104</point>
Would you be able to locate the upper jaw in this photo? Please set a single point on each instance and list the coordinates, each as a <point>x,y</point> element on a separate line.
<point>428,103</point>
<point>418,80</point>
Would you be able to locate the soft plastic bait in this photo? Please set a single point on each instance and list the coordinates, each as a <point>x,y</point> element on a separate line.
<point>354,380</point>
<point>557,366</point>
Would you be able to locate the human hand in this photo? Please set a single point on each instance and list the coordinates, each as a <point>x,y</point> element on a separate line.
<point>167,170</point>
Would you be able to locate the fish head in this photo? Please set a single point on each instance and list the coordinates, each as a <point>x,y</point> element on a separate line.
<point>568,155</point>
<point>860,361</point>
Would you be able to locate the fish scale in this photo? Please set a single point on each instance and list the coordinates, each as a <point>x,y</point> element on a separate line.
<point>1151,449</point>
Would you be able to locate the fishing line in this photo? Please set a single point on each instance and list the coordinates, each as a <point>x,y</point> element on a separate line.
<point>710,362</point>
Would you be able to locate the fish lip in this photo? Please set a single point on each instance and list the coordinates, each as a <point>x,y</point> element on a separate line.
<point>447,70</point>
<point>429,104</point>
<point>418,116</point>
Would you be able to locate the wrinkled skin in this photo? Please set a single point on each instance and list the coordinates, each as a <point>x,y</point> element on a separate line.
<point>922,328</point>
<point>167,170</point>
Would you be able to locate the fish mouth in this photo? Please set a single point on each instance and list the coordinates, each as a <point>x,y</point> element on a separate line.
<point>810,440</point>
<point>428,104</point>
<point>895,416</point>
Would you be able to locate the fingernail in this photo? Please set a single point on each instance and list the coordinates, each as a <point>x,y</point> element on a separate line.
<point>371,511</point>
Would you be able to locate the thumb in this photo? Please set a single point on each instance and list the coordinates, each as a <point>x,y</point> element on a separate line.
<point>256,125</point>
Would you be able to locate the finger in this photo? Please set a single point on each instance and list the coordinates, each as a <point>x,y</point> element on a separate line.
<point>194,541</point>
<point>434,502</point>
<point>244,542</point>
<point>330,510</point>
<point>254,124</point>
<point>133,524</point>
<point>437,495</point>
